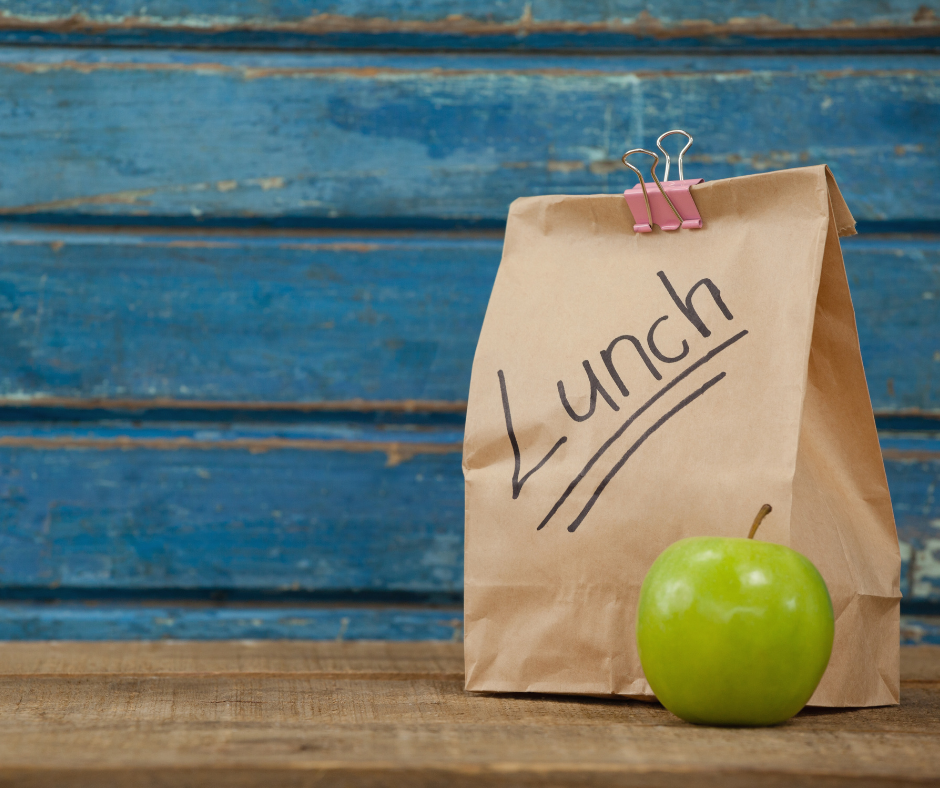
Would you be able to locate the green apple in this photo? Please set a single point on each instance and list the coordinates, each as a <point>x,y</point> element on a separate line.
<point>734,631</point>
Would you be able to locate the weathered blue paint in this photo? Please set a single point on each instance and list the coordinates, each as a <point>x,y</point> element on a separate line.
<point>170,133</point>
<point>803,14</point>
<point>326,318</point>
<point>896,293</point>
<point>148,476</point>
<point>153,512</point>
<point>492,24</point>
<point>330,510</point>
<point>902,421</point>
<point>920,630</point>
<point>913,466</point>
<point>914,38</point>
<point>25,621</point>
<point>285,319</point>
<point>389,439</point>
<point>409,415</point>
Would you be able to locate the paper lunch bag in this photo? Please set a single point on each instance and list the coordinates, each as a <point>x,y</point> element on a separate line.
<point>631,390</point>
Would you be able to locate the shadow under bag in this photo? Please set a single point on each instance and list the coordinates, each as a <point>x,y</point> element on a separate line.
<point>632,389</point>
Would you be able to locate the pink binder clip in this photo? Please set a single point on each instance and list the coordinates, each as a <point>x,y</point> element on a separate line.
<point>671,206</point>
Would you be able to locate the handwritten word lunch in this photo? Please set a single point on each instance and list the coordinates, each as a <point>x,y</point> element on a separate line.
<point>688,310</point>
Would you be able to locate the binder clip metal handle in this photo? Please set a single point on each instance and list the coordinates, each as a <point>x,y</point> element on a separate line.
<point>659,144</point>
<point>672,206</point>
<point>639,226</point>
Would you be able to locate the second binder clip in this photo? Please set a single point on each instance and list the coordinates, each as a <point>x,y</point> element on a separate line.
<point>671,206</point>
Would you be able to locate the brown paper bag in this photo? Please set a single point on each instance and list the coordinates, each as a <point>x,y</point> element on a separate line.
<point>631,390</point>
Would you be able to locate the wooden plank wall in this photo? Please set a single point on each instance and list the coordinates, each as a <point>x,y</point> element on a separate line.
<point>246,247</point>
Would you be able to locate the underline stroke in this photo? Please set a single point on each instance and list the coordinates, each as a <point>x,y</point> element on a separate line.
<point>633,417</point>
<point>636,445</point>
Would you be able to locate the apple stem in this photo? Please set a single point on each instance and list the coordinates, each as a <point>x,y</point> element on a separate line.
<point>764,511</point>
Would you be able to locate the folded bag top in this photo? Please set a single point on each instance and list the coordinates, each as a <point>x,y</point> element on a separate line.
<point>630,389</point>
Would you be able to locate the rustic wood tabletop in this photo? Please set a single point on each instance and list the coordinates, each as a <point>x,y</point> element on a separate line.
<point>280,713</point>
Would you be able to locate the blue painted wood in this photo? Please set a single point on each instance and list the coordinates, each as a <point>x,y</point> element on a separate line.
<point>913,466</point>
<point>25,621</point>
<point>165,135</point>
<point>272,319</point>
<point>801,14</point>
<point>503,24</point>
<point>187,503</point>
<point>920,630</point>
<point>324,318</point>
<point>324,509</point>
<point>384,438</point>
<point>896,293</point>
<point>198,510</point>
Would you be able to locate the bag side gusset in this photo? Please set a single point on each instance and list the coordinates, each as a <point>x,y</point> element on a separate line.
<point>842,517</point>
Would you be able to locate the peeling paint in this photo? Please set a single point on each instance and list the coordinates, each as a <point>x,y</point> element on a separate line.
<point>129,197</point>
<point>269,183</point>
<point>911,455</point>
<point>40,400</point>
<point>605,166</point>
<point>564,166</point>
<point>391,72</point>
<point>336,247</point>
<point>912,633</point>
<point>180,244</point>
<point>925,573</point>
<point>396,452</point>
<point>643,25</point>
<point>25,400</point>
<point>136,196</point>
<point>759,161</point>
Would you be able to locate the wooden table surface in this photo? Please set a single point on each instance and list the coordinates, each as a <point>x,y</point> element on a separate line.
<point>288,713</point>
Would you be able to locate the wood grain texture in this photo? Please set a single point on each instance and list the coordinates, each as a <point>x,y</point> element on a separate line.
<point>493,24</point>
<point>100,718</point>
<point>346,701</point>
<point>320,318</point>
<point>178,135</point>
<point>285,658</point>
<point>918,663</point>
<point>326,509</point>
<point>895,290</point>
<point>117,522</point>
<point>103,619</point>
<point>106,619</point>
<point>290,319</point>
<point>129,511</point>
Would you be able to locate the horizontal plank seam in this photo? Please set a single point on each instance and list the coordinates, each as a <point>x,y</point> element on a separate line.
<point>911,455</point>
<point>323,24</point>
<point>396,452</point>
<point>385,228</point>
<point>353,405</point>
<point>247,72</point>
